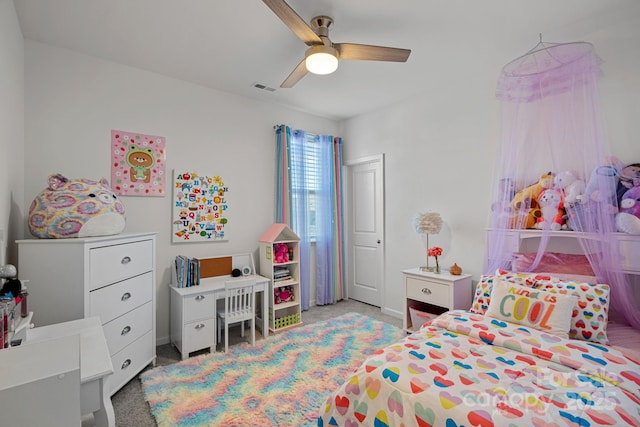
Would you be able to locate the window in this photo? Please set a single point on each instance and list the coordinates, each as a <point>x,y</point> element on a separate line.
<point>305,182</point>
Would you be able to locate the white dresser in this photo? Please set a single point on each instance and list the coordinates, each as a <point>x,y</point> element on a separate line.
<point>112,277</point>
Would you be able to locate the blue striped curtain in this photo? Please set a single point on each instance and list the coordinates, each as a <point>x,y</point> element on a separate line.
<point>329,238</point>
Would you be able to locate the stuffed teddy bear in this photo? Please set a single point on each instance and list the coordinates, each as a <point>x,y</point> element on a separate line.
<point>75,208</point>
<point>571,187</point>
<point>552,208</point>
<point>281,253</point>
<point>628,219</point>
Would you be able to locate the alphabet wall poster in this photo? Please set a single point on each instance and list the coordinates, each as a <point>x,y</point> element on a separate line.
<point>137,164</point>
<point>200,207</point>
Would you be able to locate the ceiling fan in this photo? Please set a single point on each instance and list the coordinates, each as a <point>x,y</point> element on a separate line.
<point>322,55</point>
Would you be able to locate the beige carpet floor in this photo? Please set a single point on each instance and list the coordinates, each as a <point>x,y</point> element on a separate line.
<point>133,411</point>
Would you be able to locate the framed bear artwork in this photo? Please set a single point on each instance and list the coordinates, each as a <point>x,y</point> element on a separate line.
<point>137,164</point>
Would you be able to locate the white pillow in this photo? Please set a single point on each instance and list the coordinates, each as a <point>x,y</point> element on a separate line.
<point>545,311</point>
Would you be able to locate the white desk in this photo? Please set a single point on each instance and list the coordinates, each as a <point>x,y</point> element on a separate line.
<point>193,319</point>
<point>95,364</point>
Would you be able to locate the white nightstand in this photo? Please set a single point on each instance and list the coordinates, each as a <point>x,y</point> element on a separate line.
<point>434,293</point>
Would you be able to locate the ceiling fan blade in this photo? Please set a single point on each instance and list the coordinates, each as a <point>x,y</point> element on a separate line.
<point>299,72</point>
<point>292,20</point>
<point>371,53</point>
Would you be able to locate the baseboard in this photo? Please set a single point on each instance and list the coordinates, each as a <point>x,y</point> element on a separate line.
<point>394,313</point>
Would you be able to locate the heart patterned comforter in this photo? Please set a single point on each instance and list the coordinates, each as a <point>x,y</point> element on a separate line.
<point>468,369</point>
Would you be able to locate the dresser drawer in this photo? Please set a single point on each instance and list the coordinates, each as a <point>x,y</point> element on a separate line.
<point>427,291</point>
<point>198,335</point>
<point>198,306</point>
<point>131,360</point>
<point>109,264</point>
<point>125,329</point>
<point>115,300</point>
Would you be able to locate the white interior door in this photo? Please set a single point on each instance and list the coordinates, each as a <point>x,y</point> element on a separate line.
<point>365,235</point>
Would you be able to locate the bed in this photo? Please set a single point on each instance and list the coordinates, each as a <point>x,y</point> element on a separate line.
<point>509,367</point>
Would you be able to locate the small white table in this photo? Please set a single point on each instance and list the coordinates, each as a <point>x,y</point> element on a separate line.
<point>194,316</point>
<point>95,364</point>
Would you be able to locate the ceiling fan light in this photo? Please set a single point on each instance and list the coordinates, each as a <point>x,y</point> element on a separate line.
<point>321,60</point>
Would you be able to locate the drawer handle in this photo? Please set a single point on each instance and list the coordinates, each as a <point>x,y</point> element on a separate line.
<point>426,291</point>
<point>199,297</point>
<point>126,364</point>
<point>200,326</point>
<point>125,296</point>
<point>126,330</point>
<point>125,260</point>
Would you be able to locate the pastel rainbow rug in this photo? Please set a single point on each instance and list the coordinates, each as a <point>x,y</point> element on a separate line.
<point>281,381</point>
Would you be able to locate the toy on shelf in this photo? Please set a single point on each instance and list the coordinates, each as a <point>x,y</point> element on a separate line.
<point>525,209</point>
<point>629,178</point>
<point>552,209</point>
<point>528,195</point>
<point>628,219</point>
<point>571,186</point>
<point>283,294</point>
<point>281,253</point>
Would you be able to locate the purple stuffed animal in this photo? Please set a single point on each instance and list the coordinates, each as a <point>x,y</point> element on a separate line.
<point>628,219</point>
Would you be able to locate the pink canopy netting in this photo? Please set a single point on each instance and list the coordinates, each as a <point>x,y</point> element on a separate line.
<point>553,140</point>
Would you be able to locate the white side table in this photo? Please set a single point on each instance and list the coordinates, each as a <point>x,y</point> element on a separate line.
<point>95,364</point>
<point>437,293</point>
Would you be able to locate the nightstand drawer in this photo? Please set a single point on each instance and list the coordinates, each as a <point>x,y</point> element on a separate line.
<point>198,306</point>
<point>430,292</point>
<point>110,264</point>
<point>126,329</point>
<point>115,300</point>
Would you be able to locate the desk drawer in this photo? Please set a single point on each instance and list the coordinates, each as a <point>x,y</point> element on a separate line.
<point>110,264</point>
<point>115,300</point>
<point>125,329</point>
<point>198,335</point>
<point>427,291</point>
<point>131,360</point>
<point>198,306</point>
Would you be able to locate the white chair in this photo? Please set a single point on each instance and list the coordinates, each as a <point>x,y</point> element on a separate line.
<point>239,306</point>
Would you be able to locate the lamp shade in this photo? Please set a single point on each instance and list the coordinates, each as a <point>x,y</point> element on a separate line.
<point>321,59</point>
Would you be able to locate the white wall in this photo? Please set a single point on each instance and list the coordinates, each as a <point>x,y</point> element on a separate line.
<point>439,145</point>
<point>11,130</point>
<point>73,101</point>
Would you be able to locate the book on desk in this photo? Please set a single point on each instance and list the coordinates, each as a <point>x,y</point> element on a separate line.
<point>189,271</point>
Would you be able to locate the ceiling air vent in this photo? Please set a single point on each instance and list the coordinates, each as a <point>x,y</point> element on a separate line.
<point>263,87</point>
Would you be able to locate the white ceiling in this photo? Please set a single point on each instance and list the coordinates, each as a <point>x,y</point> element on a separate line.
<point>230,45</point>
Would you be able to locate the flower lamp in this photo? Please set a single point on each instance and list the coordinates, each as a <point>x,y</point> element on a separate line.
<point>426,224</point>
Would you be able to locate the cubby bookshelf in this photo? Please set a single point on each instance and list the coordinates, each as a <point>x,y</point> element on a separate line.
<point>284,274</point>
